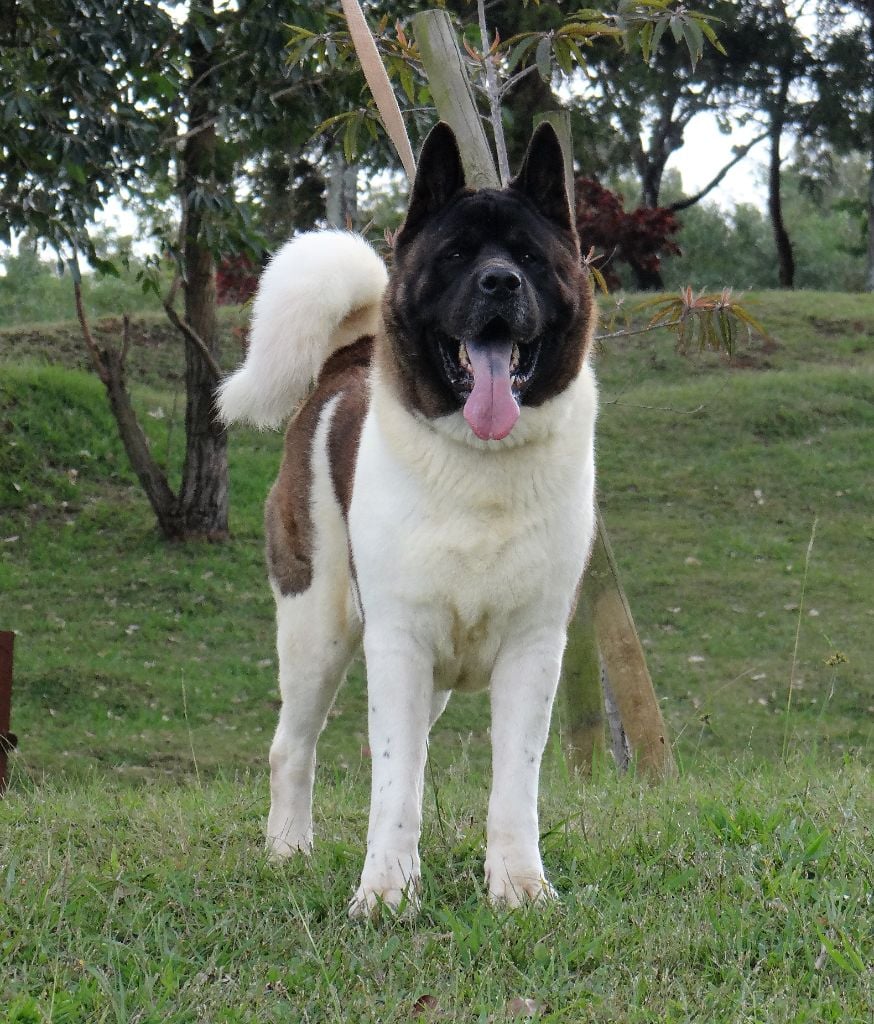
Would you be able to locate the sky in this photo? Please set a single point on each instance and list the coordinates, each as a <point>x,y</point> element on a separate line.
<point>705,151</point>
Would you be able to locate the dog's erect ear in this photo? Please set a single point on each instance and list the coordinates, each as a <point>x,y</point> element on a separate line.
<point>439,175</point>
<point>541,177</point>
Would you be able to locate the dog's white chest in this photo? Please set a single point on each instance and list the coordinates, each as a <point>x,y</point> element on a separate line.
<point>466,549</point>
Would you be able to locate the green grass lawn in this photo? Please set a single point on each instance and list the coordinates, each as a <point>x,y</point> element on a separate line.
<point>729,896</point>
<point>738,498</point>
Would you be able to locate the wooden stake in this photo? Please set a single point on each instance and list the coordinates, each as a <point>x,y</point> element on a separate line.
<point>453,95</point>
<point>8,740</point>
<point>624,661</point>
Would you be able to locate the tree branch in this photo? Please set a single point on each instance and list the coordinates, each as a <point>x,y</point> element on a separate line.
<point>684,204</point>
<point>110,367</point>
<point>188,331</point>
<point>93,351</point>
<point>515,79</point>
<point>494,94</point>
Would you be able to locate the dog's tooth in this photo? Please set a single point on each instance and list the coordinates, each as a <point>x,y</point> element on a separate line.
<point>514,359</point>
<point>463,358</point>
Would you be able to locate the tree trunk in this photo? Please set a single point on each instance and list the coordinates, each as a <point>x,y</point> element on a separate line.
<point>623,659</point>
<point>149,473</point>
<point>646,280</point>
<point>869,269</point>
<point>785,258</point>
<point>341,206</point>
<point>618,740</point>
<point>203,496</point>
<point>652,171</point>
<point>666,137</point>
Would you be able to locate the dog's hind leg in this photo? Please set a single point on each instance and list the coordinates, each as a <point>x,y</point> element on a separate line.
<point>314,652</point>
<point>318,628</point>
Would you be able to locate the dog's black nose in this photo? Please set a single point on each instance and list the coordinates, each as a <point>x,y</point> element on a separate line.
<point>498,280</point>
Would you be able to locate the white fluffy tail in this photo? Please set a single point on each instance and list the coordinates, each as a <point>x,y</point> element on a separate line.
<point>320,292</point>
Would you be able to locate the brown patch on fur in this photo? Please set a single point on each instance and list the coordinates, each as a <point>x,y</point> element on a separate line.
<point>345,434</point>
<point>287,516</point>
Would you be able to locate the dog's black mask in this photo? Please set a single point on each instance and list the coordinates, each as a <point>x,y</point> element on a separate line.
<point>489,306</point>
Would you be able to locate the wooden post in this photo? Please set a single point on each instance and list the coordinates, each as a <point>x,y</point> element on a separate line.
<point>8,740</point>
<point>624,661</point>
<point>602,592</point>
<point>453,95</point>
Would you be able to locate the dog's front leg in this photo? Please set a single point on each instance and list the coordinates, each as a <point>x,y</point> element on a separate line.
<point>523,688</point>
<point>400,685</point>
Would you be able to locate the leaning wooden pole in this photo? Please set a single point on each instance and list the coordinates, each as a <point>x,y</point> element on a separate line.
<point>624,661</point>
<point>617,637</point>
<point>7,738</point>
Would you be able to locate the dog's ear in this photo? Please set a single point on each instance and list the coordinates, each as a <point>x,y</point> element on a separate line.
<point>541,177</point>
<point>439,175</point>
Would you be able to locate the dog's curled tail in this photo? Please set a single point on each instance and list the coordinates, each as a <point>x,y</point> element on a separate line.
<point>321,291</point>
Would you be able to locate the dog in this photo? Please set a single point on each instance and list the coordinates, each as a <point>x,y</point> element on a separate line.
<point>435,498</point>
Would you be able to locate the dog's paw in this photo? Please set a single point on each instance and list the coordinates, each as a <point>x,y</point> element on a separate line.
<point>519,887</point>
<point>390,882</point>
<point>282,847</point>
<point>372,902</point>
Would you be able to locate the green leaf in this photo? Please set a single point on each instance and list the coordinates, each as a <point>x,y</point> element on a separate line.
<point>407,83</point>
<point>712,38</point>
<point>543,60</point>
<point>694,40</point>
<point>577,52</point>
<point>518,52</point>
<point>646,40</point>
<point>104,266</point>
<point>350,139</point>
<point>77,173</point>
<point>657,33</point>
<point>564,57</point>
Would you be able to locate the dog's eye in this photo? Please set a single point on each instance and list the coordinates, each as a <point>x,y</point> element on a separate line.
<point>529,258</point>
<point>454,255</point>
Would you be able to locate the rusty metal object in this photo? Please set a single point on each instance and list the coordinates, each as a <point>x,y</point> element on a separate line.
<point>8,740</point>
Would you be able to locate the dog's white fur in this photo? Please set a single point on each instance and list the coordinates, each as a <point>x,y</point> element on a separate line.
<point>467,556</point>
<point>302,313</point>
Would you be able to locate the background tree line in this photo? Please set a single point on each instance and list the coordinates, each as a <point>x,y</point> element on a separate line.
<point>200,116</point>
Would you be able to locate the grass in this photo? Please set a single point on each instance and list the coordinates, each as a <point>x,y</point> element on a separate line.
<point>730,897</point>
<point>134,889</point>
<point>32,291</point>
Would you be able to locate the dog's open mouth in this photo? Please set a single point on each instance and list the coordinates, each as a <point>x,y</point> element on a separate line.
<point>489,372</point>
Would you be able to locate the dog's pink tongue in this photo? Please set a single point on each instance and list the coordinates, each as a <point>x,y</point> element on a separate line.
<point>491,410</point>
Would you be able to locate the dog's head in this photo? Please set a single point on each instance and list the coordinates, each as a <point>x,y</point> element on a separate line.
<point>489,308</point>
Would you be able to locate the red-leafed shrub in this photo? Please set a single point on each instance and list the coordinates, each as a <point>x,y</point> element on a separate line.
<point>639,238</point>
<point>236,280</point>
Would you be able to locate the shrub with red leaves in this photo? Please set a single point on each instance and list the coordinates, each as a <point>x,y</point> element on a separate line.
<point>639,238</point>
<point>236,280</point>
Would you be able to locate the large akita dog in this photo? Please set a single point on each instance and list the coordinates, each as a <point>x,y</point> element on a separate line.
<point>435,498</point>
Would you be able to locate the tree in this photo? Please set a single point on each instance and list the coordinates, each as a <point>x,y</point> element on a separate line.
<point>639,238</point>
<point>843,116</point>
<point>153,107</point>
